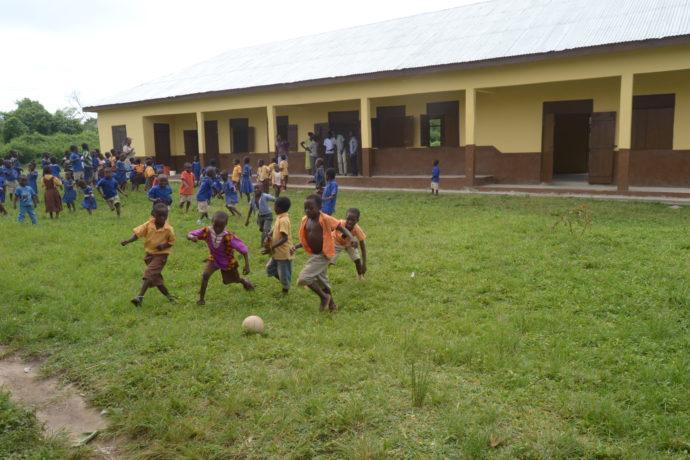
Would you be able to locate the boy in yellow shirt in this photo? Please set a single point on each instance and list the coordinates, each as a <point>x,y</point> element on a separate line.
<point>159,238</point>
<point>358,254</point>
<point>236,173</point>
<point>263,175</point>
<point>279,244</point>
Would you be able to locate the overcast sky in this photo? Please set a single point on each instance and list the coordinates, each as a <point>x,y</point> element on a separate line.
<point>52,48</point>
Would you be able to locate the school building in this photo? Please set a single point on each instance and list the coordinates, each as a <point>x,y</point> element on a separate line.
<point>501,92</point>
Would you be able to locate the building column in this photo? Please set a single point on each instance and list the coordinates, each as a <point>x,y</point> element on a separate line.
<point>470,150</point>
<point>271,128</point>
<point>365,134</point>
<point>625,131</point>
<point>201,136</point>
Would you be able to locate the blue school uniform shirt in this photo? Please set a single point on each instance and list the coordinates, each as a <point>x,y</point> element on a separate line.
<point>230,191</point>
<point>108,186</point>
<point>263,208</point>
<point>328,205</point>
<point>55,170</point>
<point>9,173</point>
<point>33,180</point>
<point>75,160</point>
<point>435,174</point>
<point>196,169</point>
<point>319,177</point>
<point>164,194</point>
<point>95,163</point>
<point>25,194</point>
<point>205,190</point>
<point>2,188</point>
<point>120,170</point>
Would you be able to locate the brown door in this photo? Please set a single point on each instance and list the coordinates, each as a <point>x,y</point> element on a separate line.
<point>161,141</point>
<point>191,144</point>
<point>211,140</point>
<point>292,137</point>
<point>571,143</point>
<point>602,138</point>
<point>119,137</point>
<point>321,131</point>
<point>547,143</point>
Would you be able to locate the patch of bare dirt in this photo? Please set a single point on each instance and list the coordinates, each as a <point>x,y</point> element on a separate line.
<point>59,407</point>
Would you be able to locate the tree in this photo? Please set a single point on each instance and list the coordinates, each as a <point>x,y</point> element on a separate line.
<point>66,121</point>
<point>13,127</point>
<point>34,116</point>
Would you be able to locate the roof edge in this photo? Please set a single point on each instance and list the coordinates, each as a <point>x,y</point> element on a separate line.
<point>574,52</point>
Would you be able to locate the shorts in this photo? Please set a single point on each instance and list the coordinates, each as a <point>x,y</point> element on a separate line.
<point>113,201</point>
<point>202,206</point>
<point>154,268</point>
<point>315,271</point>
<point>230,276</point>
<point>281,269</point>
<point>10,187</point>
<point>352,252</point>
<point>185,199</point>
<point>78,175</point>
<point>434,186</point>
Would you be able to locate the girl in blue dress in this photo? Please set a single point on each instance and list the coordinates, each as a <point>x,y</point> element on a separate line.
<point>121,173</point>
<point>70,195</point>
<point>89,201</point>
<point>231,195</point>
<point>246,186</point>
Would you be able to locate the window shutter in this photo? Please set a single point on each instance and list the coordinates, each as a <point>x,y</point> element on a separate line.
<point>251,134</point>
<point>408,140</point>
<point>374,132</point>
<point>232,139</point>
<point>443,130</point>
<point>292,137</point>
<point>424,129</point>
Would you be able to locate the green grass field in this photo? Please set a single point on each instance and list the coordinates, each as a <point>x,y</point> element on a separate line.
<point>512,339</point>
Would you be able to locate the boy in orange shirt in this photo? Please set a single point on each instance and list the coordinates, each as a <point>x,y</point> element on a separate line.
<point>186,186</point>
<point>351,222</point>
<point>316,237</point>
<point>159,238</point>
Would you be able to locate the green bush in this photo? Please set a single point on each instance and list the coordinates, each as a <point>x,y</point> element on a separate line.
<point>32,146</point>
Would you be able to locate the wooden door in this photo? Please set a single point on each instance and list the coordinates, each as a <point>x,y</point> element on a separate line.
<point>547,144</point>
<point>602,138</point>
<point>191,143</point>
<point>161,141</point>
<point>119,137</point>
<point>211,140</point>
<point>292,136</point>
<point>321,132</point>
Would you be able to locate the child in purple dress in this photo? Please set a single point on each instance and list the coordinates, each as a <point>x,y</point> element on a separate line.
<point>221,245</point>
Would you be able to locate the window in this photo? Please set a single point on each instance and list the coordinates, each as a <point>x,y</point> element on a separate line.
<point>119,137</point>
<point>435,134</point>
<point>240,135</point>
<point>391,128</point>
<point>652,122</point>
<point>282,124</point>
<point>440,125</point>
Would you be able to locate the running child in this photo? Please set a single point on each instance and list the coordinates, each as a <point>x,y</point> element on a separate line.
<point>121,174</point>
<point>264,217</point>
<point>284,170</point>
<point>316,237</point>
<point>277,179</point>
<point>108,187</point>
<point>279,245</point>
<point>149,174</point>
<point>330,193</point>
<point>221,246</point>
<point>246,187</point>
<point>264,174</point>
<point>204,194</point>
<point>159,238</point>
<point>161,192</point>
<point>435,178</point>
<point>70,194</point>
<point>351,222</point>
<point>231,195</point>
<point>319,176</point>
<point>236,173</point>
<point>187,181</point>
<point>89,201</point>
<point>51,195</point>
<point>27,200</point>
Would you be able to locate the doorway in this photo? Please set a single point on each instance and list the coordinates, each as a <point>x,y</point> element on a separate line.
<point>565,139</point>
<point>191,143</point>
<point>161,141</point>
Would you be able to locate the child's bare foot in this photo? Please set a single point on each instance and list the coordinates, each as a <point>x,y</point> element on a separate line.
<point>248,286</point>
<point>332,307</point>
<point>360,277</point>
<point>201,302</point>
<point>325,302</point>
<point>137,301</point>
<point>286,291</point>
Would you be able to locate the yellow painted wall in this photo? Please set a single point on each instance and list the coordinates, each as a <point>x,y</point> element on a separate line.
<point>512,133</point>
<point>671,82</point>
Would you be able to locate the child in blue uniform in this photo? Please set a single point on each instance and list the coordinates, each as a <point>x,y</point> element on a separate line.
<point>330,193</point>
<point>196,170</point>
<point>33,177</point>
<point>231,195</point>
<point>204,195</point>
<point>108,188</point>
<point>70,194</point>
<point>246,187</point>
<point>121,174</point>
<point>89,201</point>
<point>161,192</point>
<point>55,167</point>
<point>27,201</point>
<point>435,178</point>
<point>3,211</point>
<point>10,175</point>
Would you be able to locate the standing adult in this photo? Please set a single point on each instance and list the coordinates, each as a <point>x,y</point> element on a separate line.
<point>308,161</point>
<point>329,145</point>
<point>342,154</point>
<point>76,163</point>
<point>353,150</point>
<point>127,149</point>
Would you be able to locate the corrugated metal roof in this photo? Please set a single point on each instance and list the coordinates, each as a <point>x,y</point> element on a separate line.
<point>483,31</point>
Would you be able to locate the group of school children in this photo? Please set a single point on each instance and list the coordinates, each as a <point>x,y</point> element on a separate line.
<point>322,236</point>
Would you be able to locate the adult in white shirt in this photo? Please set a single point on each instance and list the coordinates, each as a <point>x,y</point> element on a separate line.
<point>354,151</point>
<point>127,149</point>
<point>329,145</point>
<point>342,154</point>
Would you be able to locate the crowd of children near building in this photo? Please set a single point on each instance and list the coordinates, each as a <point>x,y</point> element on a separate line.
<point>81,174</point>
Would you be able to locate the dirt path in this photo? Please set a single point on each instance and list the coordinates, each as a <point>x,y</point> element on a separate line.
<point>59,408</point>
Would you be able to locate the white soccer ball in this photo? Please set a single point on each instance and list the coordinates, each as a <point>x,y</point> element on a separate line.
<point>253,325</point>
